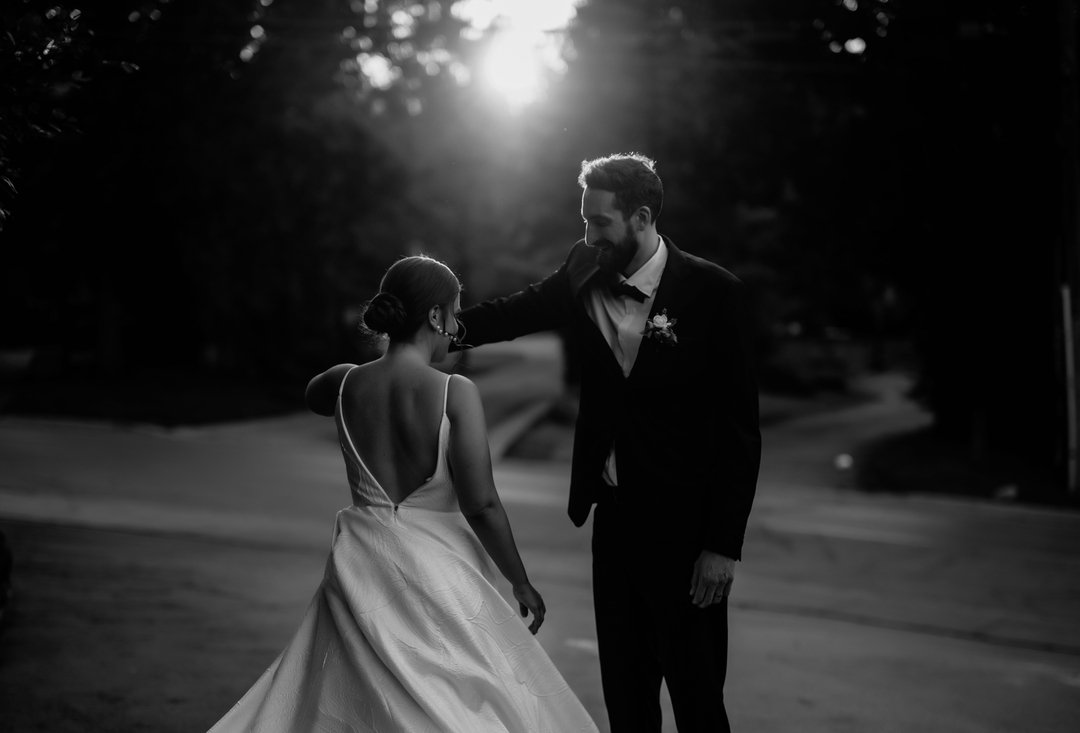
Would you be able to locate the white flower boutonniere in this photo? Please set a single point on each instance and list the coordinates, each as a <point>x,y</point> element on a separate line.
<point>661,328</point>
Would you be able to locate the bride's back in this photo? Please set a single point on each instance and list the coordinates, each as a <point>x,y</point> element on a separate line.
<point>393,413</point>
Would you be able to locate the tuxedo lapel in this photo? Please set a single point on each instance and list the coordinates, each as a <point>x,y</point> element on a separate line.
<point>582,268</point>
<point>671,291</point>
<point>584,275</point>
<point>671,295</point>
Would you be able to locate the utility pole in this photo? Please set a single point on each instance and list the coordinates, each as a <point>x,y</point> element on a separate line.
<point>1069,260</point>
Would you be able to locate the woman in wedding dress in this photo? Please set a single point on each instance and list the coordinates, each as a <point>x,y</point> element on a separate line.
<point>407,631</point>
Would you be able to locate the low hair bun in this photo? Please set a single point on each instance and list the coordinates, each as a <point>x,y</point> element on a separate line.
<point>411,287</point>
<point>385,314</point>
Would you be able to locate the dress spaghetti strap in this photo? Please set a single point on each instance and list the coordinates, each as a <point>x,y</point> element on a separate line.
<point>341,415</point>
<point>341,387</point>
<point>446,393</point>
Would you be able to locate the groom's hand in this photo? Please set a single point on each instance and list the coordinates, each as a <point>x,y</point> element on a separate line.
<point>713,575</point>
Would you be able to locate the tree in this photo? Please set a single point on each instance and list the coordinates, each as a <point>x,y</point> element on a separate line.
<point>252,179</point>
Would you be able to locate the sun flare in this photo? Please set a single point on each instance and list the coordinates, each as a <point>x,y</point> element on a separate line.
<point>525,44</point>
<point>511,71</point>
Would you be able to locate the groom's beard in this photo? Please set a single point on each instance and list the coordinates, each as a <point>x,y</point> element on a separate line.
<point>614,258</point>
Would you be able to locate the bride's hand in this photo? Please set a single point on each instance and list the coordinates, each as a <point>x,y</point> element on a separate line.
<point>529,600</point>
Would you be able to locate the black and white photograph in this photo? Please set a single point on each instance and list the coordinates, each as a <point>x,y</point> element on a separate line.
<point>540,366</point>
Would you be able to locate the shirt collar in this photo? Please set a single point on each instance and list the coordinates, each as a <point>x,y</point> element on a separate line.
<point>647,278</point>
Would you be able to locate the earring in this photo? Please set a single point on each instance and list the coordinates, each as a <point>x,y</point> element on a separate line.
<point>454,338</point>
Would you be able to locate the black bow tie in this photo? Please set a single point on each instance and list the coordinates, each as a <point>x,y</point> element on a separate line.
<point>624,288</point>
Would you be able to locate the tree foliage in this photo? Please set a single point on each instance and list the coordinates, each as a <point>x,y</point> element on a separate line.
<point>219,186</point>
<point>53,58</point>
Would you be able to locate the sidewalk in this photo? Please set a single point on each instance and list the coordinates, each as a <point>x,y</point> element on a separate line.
<point>159,571</point>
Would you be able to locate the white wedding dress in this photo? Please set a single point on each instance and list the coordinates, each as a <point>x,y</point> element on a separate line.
<point>407,631</point>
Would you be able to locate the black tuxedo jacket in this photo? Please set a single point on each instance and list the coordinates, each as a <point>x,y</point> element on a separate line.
<point>684,423</point>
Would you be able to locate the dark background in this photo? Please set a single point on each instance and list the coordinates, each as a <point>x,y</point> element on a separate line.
<point>193,213</point>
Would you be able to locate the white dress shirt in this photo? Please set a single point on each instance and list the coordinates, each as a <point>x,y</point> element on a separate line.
<point>622,319</point>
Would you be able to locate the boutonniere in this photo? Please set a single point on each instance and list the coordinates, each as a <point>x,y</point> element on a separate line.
<point>661,328</point>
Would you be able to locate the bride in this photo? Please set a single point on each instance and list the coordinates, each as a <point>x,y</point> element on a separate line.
<point>407,631</point>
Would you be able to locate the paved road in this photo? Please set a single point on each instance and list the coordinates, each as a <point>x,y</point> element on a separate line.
<point>861,612</point>
<point>160,571</point>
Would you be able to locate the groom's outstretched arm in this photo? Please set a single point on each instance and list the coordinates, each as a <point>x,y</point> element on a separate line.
<point>543,306</point>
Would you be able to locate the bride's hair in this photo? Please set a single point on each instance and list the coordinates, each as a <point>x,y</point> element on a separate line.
<point>410,287</point>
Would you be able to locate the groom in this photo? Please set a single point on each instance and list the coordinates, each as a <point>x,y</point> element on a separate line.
<point>666,444</point>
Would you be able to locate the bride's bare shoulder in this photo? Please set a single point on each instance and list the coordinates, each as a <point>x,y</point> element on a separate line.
<point>462,397</point>
<point>322,389</point>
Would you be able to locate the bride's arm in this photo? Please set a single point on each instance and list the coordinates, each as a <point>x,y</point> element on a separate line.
<point>470,462</point>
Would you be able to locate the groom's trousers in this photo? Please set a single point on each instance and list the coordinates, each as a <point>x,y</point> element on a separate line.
<point>648,630</point>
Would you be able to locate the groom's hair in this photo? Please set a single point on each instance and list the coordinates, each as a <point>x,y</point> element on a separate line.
<point>630,176</point>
